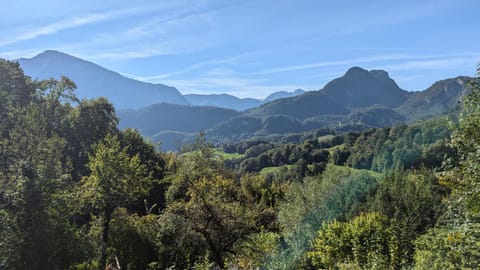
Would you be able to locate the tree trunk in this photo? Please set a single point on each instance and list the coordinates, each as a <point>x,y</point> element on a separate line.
<point>106,229</point>
<point>219,260</point>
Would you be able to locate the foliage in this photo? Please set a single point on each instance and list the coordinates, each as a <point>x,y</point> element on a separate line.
<point>444,248</point>
<point>408,146</point>
<point>466,138</point>
<point>116,180</point>
<point>363,242</point>
<point>134,239</point>
<point>254,250</point>
<point>214,210</point>
<point>336,194</point>
<point>454,243</point>
<point>413,203</point>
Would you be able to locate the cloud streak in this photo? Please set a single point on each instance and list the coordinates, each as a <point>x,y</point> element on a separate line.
<point>448,63</point>
<point>62,25</point>
<point>197,66</point>
<point>371,59</point>
<point>257,85</point>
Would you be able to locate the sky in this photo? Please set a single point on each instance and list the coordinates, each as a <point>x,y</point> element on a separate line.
<point>251,48</point>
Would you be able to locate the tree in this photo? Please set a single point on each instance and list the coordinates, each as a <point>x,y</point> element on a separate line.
<point>155,165</point>
<point>35,173</point>
<point>363,242</point>
<point>413,202</point>
<point>466,137</point>
<point>116,179</point>
<point>133,239</point>
<point>453,244</point>
<point>16,89</point>
<point>449,248</point>
<point>91,121</point>
<point>208,203</point>
<point>335,194</point>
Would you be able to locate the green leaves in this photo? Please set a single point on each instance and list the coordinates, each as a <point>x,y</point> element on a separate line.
<point>363,242</point>
<point>454,243</point>
<point>466,138</point>
<point>443,248</point>
<point>211,208</point>
<point>116,179</point>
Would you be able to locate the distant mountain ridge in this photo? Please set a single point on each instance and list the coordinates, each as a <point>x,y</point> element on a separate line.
<point>282,94</point>
<point>440,98</point>
<point>357,88</point>
<point>235,103</point>
<point>361,88</point>
<point>93,80</point>
<point>335,107</point>
<point>223,101</point>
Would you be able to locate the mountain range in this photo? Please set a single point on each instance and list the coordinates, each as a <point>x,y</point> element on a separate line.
<point>235,103</point>
<point>93,81</point>
<point>359,99</point>
<point>380,102</point>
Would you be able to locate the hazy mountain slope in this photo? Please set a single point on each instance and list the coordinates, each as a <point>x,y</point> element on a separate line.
<point>162,117</point>
<point>376,116</point>
<point>173,140</point>
<point>440,98</point>
<point>282,94</point>
<point>309,111</point>
<point>235,103</point>
<point>93,80</point>
<point>358,88</point>
<point>301,107</point>
<point>223,101</point>
<point>362,88</point>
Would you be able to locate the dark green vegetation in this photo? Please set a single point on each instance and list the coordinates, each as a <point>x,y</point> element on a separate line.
<point>170,117</point>
<point>78,193</point>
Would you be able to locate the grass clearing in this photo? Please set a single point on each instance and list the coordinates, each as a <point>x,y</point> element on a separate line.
<point>268,170</point>
<point>218,152</point>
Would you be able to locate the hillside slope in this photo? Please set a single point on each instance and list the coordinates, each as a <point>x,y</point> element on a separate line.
<point>223,101</point>
<point>440,98</point>
<point>93,81</point>
<point>163,116</point>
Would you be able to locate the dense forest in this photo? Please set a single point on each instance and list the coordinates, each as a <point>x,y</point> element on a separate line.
<point>76,192</point>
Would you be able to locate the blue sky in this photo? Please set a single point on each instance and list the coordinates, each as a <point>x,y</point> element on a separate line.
<point>251,48</point>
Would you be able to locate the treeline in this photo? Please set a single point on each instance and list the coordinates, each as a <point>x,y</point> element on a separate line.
<point>422,144</point>
<point>78,193</point>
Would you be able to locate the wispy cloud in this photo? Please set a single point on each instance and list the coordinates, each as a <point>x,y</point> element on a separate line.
<point>174,32</point>
<point>15,54</point>
<point>240,87</point>
<point>66,24</point>
<point>170,47</point>
<point>447,63</point>
<point>194,67</point>
<point>443,59</point>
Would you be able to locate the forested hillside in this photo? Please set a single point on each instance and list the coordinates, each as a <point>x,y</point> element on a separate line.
<point>165,117</point>
<point>76,192</point>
